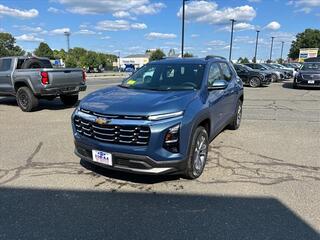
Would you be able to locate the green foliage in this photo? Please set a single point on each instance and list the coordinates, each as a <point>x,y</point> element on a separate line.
<point>187,55</point>
<point>157,55</point>
<point>44,51</point>
<point>8,46</point>
<point>243,60</point>
<point>310,38</point>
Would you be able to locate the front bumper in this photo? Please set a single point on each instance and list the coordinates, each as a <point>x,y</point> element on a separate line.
<point>307,83</point>
<point>131,162</point>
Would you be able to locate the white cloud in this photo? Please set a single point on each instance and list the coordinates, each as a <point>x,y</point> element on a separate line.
<point>55,10</point>
<point>305,6</point>
<point>86,32</point>
<point>216,43</point>
<point>254,1</point>
<point>208,12</point>
<point>137,7</point>
<point>59,31</point>
<point>13,12</point>
<point>105,37</point>
<point>118,25</point>
<point>241,26</point>
<point>121,14</point>
<point>194,35</point>
<point>29,38</point>
<point>273,26</point>
<point>28,28</point>
<point>157,35</point>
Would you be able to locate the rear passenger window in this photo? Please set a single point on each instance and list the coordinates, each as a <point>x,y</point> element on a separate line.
<point>214,74</point>
<point>5,65</point>
<point>226,72</point>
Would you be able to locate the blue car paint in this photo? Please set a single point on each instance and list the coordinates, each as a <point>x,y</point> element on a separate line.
<point>219,106</point>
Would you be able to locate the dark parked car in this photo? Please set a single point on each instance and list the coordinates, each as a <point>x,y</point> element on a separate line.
<point>308,76</point>
<point>275,74</point>
<point>251,77</point>
<point>162,118</point>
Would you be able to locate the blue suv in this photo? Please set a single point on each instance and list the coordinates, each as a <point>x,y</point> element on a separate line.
<point>162,118</point>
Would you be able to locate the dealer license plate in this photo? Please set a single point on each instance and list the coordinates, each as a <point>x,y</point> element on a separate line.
<point>102,157</point>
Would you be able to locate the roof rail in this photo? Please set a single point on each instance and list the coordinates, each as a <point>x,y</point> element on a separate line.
<point>214,56</point>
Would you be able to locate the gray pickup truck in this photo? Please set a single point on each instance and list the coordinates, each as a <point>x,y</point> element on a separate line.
<point>30,79</point>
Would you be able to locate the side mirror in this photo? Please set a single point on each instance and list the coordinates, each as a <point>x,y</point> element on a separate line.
<point>218,85</point>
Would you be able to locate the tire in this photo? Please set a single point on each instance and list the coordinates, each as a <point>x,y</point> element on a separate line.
<point>274,78</point>
<point>69,100</point>
<point>26,100</point>
<point>32,63</point>
<point>236,120</point>
<point>254,82</point>
<point>198,153</point>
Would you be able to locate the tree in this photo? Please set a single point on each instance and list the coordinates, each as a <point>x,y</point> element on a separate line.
<point>157,55</point>
<point>310,38</point>
<point>8,46</point>
<point>187,55</point>
<point>171,52</point>
<point>44,51</point>
<point>243,60</point>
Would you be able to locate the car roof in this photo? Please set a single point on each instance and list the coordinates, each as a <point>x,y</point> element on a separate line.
<point>191,60</point>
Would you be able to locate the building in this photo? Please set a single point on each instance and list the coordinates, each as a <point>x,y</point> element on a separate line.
<point>138,60</point>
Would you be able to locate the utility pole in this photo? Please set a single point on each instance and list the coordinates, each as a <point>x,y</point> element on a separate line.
<point>119,64</point>
<point>282,43</point>
<point>272,39</point>
<point>255,52</point>
<point>231,40</point>
<point>67,34</point>
<point>182,36</point>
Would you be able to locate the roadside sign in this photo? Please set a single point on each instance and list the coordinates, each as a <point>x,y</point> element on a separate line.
<point>308,53</point>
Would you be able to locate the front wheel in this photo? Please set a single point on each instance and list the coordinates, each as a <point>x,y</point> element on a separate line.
<point>274,78</point>
<point>69,100</point>
<point>198,153</point>
<point>254,82</point>
<point>236,120</point>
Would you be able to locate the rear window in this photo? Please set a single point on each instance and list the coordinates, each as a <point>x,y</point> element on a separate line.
<point>5,64</point>
<point>45,63</point>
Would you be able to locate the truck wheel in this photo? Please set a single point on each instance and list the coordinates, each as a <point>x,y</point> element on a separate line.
<point>198,153</point>
<point>254,82</point>
<point>69,100</point>
<point>236,120</point>
<point>26,100</point>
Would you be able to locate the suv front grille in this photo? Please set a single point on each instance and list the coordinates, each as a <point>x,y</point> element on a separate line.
<point>116,134</point>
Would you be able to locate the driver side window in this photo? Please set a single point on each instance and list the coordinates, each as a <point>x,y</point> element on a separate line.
<point>214,74</point>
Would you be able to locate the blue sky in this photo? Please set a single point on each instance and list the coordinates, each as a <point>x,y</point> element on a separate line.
<point>132,26</point>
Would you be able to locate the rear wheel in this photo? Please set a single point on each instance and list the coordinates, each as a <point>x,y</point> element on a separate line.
<point>69,100</point>
<point>26,100</point>
<point>254,82</point>
<point>236,121</point>
<point>198,153</point>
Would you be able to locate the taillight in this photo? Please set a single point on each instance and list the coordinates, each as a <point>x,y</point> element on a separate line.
<point>84,77</point>
<point>44,78</point>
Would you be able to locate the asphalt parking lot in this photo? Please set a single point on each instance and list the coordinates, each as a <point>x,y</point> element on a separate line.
<point>260,182</point>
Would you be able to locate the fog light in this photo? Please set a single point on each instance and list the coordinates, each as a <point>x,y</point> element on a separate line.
<point>171,139</point>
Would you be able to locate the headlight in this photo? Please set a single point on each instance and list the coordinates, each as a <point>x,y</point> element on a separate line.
<point>171,139</point>
<point>165,116</point>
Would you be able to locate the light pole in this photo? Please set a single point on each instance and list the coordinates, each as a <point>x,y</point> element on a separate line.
<point>282,43</point>
<point>67,34</point>
<point>272,39</point>
<point>256,50</point>
<point>183,16</point>
<point>231,40</point>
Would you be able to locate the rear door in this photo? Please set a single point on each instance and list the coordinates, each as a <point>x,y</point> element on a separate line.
<point>5,75</point>
<point>230,93</point>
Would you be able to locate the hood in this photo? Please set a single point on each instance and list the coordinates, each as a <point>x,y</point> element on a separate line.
<point>120,101</point>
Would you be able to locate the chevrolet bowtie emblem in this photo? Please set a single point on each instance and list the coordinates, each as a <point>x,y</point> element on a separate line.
<point>102,121</point>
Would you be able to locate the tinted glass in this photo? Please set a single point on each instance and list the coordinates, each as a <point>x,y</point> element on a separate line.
<point>311,66</point>
<point>214,74</point>
<point>5,65</point>
<point>226,72</point>
<point>166,77</point>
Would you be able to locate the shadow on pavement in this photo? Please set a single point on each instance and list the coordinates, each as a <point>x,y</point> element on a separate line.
<point>131,177</point>
<point>57,214</point>
<point>55,104</point>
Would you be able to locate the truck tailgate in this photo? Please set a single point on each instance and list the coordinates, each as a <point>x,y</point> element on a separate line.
<point>65,77</point>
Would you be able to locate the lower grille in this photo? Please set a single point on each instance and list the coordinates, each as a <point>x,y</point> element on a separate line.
<point>116,134</point>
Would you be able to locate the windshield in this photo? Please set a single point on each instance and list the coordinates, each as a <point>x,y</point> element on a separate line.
<point>247,67</point>
<point>266,67</point>
<point>166,77</point>
<point>311,66</point>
